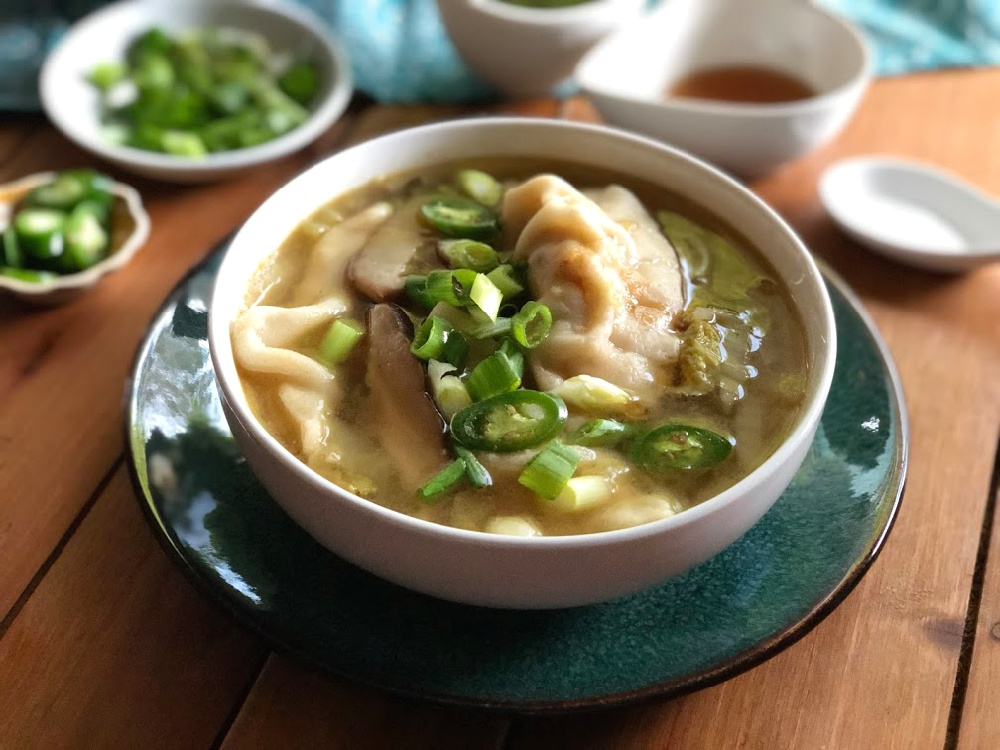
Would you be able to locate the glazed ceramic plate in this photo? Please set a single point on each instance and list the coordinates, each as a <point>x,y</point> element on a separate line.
<point>721,618</point>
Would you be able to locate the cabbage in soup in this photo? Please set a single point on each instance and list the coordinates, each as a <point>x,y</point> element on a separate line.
<point>522,347</point>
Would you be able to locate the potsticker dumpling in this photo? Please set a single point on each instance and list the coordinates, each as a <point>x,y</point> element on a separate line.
<point>610,278</point>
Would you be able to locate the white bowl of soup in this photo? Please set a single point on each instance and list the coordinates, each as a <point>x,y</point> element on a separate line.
<point>521,363</point>
<point>748,86</point>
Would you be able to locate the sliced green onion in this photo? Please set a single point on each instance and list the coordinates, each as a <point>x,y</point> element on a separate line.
<point>444,480</point>
<point>548,472</point>
<point>453,287</point>
<point>185,143</point>
<point>509,349</point>
<point>453,216</point>
<point>107,74</point>
<point>592,394</point>
<point>493,376</point>
<point>430,338</point>
<point>448,390</point>
<point>598,432</point>
<point>486,297</point>
<point>678,447</point>
<point>40,232</point>
<point>10,249</point>
<point>505,279</point>
<point>476,256</point>
<point>476,472</point>
<point>456,349</point>
<point>26,274</point>
<point>480,186</point>
<point>498,327</point>
<point>86,240</point>
<point>581,493</point>
<point>509,422</point>
<point>342,336</point>
<point>415,287</point>
<point>531,325</point>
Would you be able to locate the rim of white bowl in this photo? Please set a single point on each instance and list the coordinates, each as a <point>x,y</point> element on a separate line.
<point>852,33</point>
<point>232,390</point>
<point>534,16</point>
<point>983,253</point>
<point>335,101</point>
<point>92,275</point>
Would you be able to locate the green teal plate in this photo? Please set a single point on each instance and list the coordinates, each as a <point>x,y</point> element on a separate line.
<point>719,619</point>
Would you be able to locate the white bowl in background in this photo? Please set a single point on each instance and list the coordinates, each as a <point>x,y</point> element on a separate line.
<point>626,77</point>
<point>72,103</point>
<point>525,51</point>
<point>489,569</point>
<point>64,288</point>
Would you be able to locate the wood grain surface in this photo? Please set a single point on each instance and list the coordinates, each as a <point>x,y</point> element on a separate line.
<point>104,644</point>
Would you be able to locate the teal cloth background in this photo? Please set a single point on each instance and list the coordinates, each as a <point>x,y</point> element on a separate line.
<point>400,51</point>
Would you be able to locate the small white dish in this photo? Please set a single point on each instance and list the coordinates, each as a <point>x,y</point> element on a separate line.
<point>525,51</point>
<point>913,213</point>
<point>492,569</point>
<point>66,288</point>
<point>72,103</point>
<point>626,77</point>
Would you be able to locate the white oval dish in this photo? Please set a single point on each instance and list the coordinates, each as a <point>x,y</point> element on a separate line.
<point>67,287</point>
<point>488,569</point>
<point>626,77</point>
<point>72,103</point>
<point>913,213</point>
<point>525,51</point>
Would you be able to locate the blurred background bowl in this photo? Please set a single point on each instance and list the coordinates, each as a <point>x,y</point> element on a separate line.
<point>628,74</point>
<point>72,103</point>
<point>525,51</point>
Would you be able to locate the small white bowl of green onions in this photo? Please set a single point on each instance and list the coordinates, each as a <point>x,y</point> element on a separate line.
<point>60,233</point>
<point>190,91</point>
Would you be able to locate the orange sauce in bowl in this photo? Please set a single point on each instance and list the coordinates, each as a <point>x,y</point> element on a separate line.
<point>748,84</point>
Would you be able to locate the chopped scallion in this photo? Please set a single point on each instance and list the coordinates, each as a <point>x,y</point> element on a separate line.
<point>592,394</point>
<point>486,296</point>
<point>498,327</point>
<point>476,472</point>
<point>505,279</point>
<point>598,432</point>
<point>456,348</point>
<point>480,186</point>
<point>340,339</point>
<point>548,472</point>
<point>493,376</point>
<point>453,287</point>
<point>448,390</point>
<point>444,480</point>
<point>476,256</point>
<point>430,338</point>
<point>415,288</point>
<point>531,325</point>
<point>509,349</point>
<point>581,493</point>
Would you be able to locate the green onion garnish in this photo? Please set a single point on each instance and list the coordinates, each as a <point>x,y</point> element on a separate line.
<point>548,472</point>
<point>444,480</point>
<point>498,327</point>
<point>453,287</point>
<point>448,389</point>
<point>581,493</point>
<point>415,288</point>
<point>486,296</point>
<point>598,432</point>
<point>456,348</point>
<point>430,338</point>
<point>480,186</point>
<point>476,256</point>
<point>476,472</point>
<point>505,279</point>
<point>531,325</point>
<point>509,349</point>
<point>340,339</point>
<point>494,375</point>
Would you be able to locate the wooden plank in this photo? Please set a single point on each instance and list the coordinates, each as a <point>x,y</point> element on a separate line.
<point>115,650</point>
<point>881,670</point>
<point>979,724</point>
<point>62,369</point>
<point>291,706</point>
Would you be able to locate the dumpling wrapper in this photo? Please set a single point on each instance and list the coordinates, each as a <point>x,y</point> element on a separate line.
<point>611,279</point>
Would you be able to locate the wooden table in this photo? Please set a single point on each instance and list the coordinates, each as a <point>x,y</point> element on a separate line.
<point>103,642</point>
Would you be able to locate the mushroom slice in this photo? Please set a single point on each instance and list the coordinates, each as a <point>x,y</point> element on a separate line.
<point>404,419</point>
<point>378,271</point>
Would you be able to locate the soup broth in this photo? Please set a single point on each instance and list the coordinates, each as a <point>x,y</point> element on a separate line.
<point>749,84</point>
<point>721,373</point>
